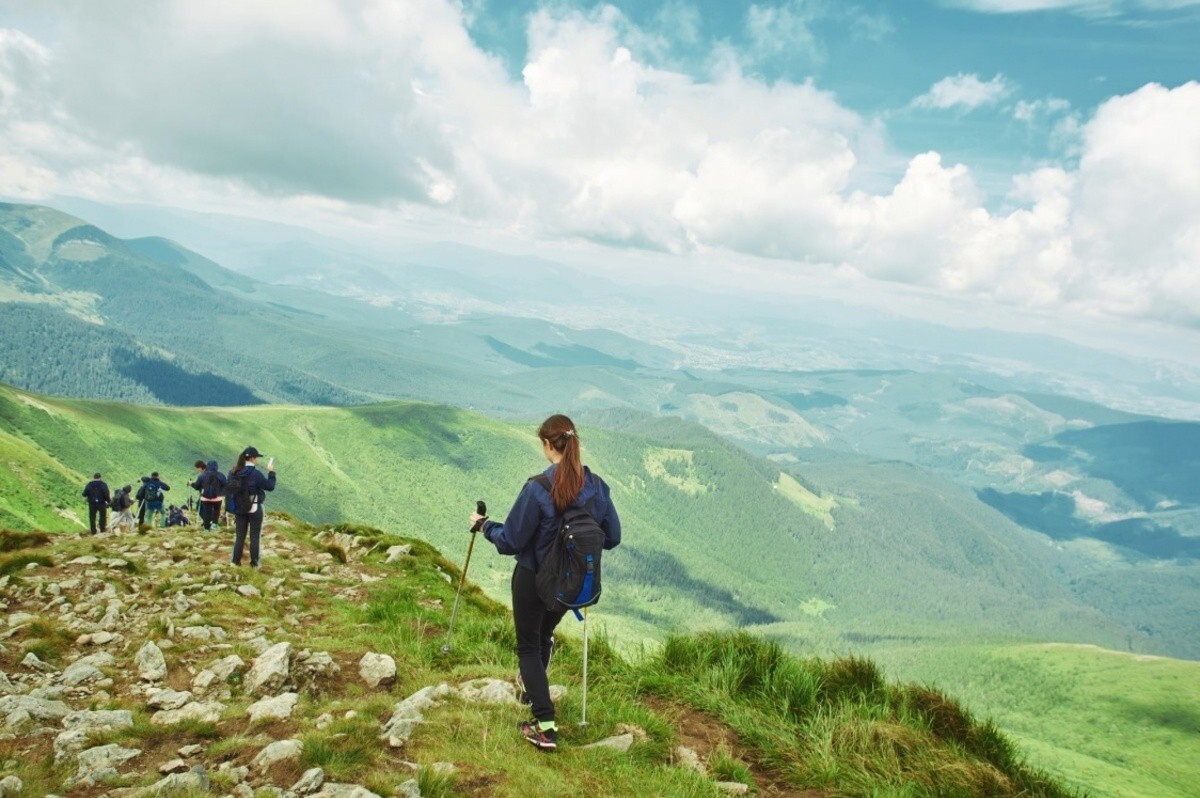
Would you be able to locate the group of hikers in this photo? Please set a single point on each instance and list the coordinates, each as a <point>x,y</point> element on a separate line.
<point>566,497</point>
<point>239,494</point>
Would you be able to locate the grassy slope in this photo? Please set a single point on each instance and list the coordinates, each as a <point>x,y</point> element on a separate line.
<point>794,727</point>
<point>1119,724</point>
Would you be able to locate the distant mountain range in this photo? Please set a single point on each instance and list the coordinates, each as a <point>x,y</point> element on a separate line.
<point>885,426</point>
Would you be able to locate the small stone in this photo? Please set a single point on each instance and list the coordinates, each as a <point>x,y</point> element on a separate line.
<point>279,707</point>
<point>204,680</point>
<point>377,670</point>
<point>224,668</point>
<point>310,782</point>
<point>620,742</point>
<point>190,750</point>
<point>174,766</point>
<point>195,780</point>
<point>278,751</point>
<point>80,673</point>
<point>94,763</point>
<point>688,758</point>
<point>168,699</point>
<point>397,553</point>
<point>32,662</point>
<point>10,786</point>
<point>410,789</point>
<point>19,618</point>
<point>202,711</point>
<point>733,787</point>
<point>487,691</point>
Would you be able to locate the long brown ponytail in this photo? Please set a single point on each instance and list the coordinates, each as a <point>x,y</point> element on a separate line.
<point>241,463</point>
<point>559,432</point>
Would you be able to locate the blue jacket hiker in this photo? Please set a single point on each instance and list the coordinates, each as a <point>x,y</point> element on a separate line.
<point>246,481</point>
<point>528,533</point>
<point>152,493</point>
<point>211,484</point>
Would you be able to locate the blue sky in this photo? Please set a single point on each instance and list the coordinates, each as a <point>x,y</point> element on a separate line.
<point>1039,155</point>
<point>876,57</point>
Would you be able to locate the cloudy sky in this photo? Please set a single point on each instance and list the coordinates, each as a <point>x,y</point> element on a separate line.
<point>1036,154</point>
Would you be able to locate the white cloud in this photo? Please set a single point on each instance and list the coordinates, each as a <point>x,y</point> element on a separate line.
<point>387,110</point>
<point>1031,111</point>
<point>781,30</point>
<point>964,91</point>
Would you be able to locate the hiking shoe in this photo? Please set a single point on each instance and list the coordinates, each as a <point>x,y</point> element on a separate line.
<point>545,739</point>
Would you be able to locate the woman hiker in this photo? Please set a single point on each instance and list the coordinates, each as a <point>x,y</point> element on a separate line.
<point>528,532</point>
<point>247,485</point>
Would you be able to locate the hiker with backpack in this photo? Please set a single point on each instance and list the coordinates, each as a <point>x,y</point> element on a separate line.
<point>121,504</point>
<point>244,493</point>
<point>152,493</point>
<point>566,498</point>
<point>211,484</point>
<point>96,493</point>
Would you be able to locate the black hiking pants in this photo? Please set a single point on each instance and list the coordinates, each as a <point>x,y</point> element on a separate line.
<point>248,523</point>
<point>93,511</point>
<point>535,640</point>
<point>210,514</point>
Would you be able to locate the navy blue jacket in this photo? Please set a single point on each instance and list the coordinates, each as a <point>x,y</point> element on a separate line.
<point>96,492</point>
<point>532,523</point>
<point>209,475</point>
<point>257,482</point>
<point>147,489</point>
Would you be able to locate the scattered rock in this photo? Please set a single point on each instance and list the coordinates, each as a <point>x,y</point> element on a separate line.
<point>487,691</point>
<point>20,618</point>
<point>310,782</point>
<point>397,553</point>
<point>224,668</point>
<point>195,780</point>
<point>249,591</point>
<point>174,766</point>
<point>190,750</point>
<point>96,639</point>
<point>279,707</point>
<point>98,719</point>
<point>203,711</point>
<point>150,663</point>
<point>355,791</point>
<point>10,786</point>
<point>269,671</point>
<point>409,713</point>
<point>168,699</point>
<point>621,742</point>
<point>688,758</point>
<point>32,662</point>
<point>278,751</point>
<point>410,789</point>
<point>377,670</point>
<point>37,708</point>
<point>733,787</point>
<point>81,673</point>
<point>96,763</point>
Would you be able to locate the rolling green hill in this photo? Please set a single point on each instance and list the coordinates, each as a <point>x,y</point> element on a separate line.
<point>712,538</point>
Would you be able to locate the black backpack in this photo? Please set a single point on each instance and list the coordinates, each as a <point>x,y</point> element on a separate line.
<point>211,487</point>
<point>569,577</point>
<point>237,495</point>
<point>153,492</point>
<point>115,502</point>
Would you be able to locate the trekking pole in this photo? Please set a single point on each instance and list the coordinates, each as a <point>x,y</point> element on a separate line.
<point>583,719</point>
<point>481,509</point>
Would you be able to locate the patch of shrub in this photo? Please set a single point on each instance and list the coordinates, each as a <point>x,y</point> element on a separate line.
<point>18,562</point>
<point>14,541</point>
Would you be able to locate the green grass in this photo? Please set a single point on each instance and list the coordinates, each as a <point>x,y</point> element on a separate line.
<point>1121,725</point>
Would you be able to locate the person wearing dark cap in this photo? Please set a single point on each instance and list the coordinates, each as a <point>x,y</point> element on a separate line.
<point>96,492</point>
<point>246,489</point>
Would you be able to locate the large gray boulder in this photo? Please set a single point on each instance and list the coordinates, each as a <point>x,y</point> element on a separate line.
<point>377,670</point>
<point>278,751</point>
<point>96,763</point>
<point>203,711</point>
<point>37,708</point>
<point>278,707</point>
<point>150,663</point>
<point>270,670</point>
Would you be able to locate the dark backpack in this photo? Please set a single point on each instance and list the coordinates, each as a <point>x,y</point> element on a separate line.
<point>211,486</point>
<point>153,492</point>
<point>569,577</point>
<point>115,502</point>
<point>237,495</point>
